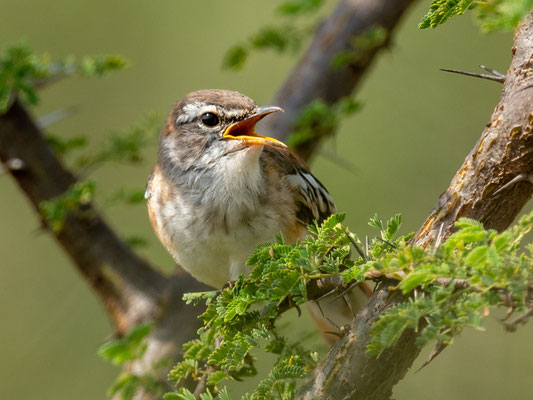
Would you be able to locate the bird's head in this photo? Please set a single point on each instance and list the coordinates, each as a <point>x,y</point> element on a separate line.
<point>208,124</point>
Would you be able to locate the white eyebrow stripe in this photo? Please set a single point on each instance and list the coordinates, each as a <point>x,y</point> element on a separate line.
<point>190,111</point>
<point>237,114</point>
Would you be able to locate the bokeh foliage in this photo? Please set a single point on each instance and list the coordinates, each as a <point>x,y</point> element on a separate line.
<point>492,15</point>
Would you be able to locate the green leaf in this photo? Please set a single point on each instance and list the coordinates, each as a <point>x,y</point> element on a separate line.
<point>64,146</point>
<point>173,396</point>
<point>135,241</point>
<point>279,38</point>
<point>375,222</point>
<point>21,69</point>
<point>501,15</point>
<point>492,15</point>
<point>55,211</point>
<point>240,319</point>
<point>98,66</point>
<point>296,7</point>
<point>442,10</point>
<point>126,385</point>
<point>392,226</point>
<point>235,57</point>
<point>388,329</point>
<point>414,279</point>
<point>362,47</point>
<point>477,256</point>
<point>181,394</point>
<point>223,395</point>
<point>129,348</point>
<point>216,377</point>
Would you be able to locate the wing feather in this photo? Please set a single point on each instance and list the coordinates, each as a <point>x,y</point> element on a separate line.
<point>313,201</point>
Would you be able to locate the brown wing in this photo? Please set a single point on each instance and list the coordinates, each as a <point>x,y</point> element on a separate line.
<point>313,201</point>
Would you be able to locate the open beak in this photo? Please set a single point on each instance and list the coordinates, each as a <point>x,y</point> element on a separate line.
<point>245,129</point>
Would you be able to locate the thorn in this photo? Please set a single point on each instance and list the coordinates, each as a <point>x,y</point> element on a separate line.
<point>492,71</point>
<point>298,309</point>
<point>516,179</point>
<point>521,319</point>
<point>508,302</point>
<point>355,245</point>
<point>334,324</point>
<point>55,116</point>
<point>324,296</point>
<point>319,308</point>
<point>349,304</point>
<point>476,75</point>
<point>334,333</point>
<point>387,243</point>
<point>350,287</point>
<point>434,353</point>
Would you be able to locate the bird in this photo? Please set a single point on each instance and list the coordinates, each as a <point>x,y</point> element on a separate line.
<point>219,188</point>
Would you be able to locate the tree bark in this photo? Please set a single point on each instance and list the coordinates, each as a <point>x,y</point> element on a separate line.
<point>479,190</point>
<point>131,290</point>
<point>127,285</point>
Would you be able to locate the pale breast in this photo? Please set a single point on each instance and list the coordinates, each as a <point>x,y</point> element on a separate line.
<point>211,231</point>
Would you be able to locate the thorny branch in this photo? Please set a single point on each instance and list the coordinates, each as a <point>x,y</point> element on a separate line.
<point>504,151</point>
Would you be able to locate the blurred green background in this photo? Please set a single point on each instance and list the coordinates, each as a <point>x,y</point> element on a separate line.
<point>413,133</point>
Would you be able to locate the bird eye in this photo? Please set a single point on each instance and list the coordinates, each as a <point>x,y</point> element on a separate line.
<point>210,119</point>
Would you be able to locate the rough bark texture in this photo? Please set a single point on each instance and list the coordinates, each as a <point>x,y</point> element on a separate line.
<point>504,152</point>
<point>316,77</point>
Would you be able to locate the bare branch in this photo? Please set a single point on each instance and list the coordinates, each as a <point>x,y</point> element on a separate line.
<point>127,285</point>
<point>131,290</point>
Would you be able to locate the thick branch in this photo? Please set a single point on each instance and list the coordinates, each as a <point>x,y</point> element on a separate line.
<point>504,151</point>
<point>316,77</point>
<point>129,287</point>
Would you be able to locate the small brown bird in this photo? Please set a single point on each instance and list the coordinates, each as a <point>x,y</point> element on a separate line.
<point>219,188</point>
